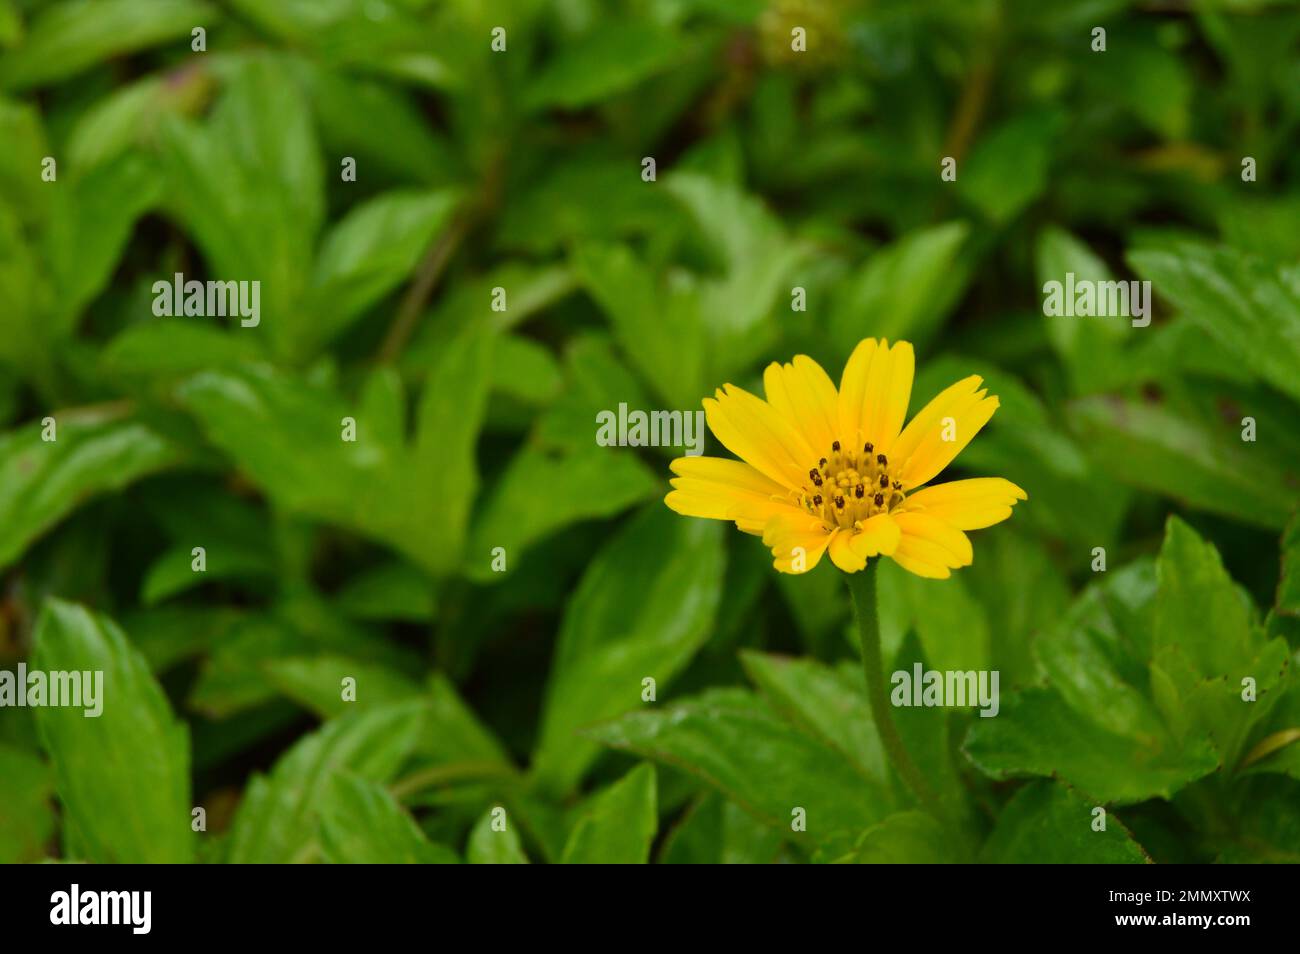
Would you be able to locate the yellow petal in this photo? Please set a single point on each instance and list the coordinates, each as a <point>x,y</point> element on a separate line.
<point>906,558</point>
<point>719,489</point>
<point>843,555</point>
<point>924,447</point>
<point>968,504</point>
<point>931,414</point>
<point>805,396</point>
<point>853,386</point>
<point>752,525</point>
<point>795,523</point>
<point>874,391</point>
<point>879,534</point>
<point>731,473</point>
<point>927,539</point>
<point>751,429</point>
<point>889,388</point>
<point>797,541</point>
<point>697,498</point>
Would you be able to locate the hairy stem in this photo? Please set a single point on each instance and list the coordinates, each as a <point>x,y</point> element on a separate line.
<point>862,587</point>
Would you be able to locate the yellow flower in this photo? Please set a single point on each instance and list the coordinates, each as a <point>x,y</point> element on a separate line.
<point>822,470</point>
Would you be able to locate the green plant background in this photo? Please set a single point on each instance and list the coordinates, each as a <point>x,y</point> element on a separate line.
<point>521,170</point>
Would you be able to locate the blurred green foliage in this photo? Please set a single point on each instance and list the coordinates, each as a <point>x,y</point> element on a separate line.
<point>496,584</point>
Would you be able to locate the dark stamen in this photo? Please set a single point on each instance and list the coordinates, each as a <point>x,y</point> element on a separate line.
<point>884,480</point>
<point>880,500</point>
<point>816,477</point>
<point>839,502</point>
<point>835,446</point>
<point>882,460</point>
<point>817,499</point>
<point>857,491</point>
<point>869,448</point>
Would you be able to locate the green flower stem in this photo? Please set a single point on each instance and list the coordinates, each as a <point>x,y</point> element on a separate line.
<point>862,587</point>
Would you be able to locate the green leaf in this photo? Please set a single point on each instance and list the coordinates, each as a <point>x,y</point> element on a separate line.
<point>1037,733</point>
<point>361,823</point>
<point>1152,81</point>
<point>756,257</point>
<point>1200,612</point>
<point>1019,583</point>
<point>122,776</point>
<point>1097,724</point>
<point>317,683</point>
<point>370,251</point>
<point>173,572</point>
<point>644,606</point>
<point>26,818</point>
<point>249,189</point>
<point>41,482</point>
<point>951,624</point>
<point>378,125</point>
<point>1247,304</point>
<point>235,675</point>
<point>589,199</point>
<point>232,678</point>
<point>830,704</point>
<point>26,146</point>
<point>123,119</point>
<point>391,590</point>
<point>11,25</point>
<point>1008,168</point>
<point>540,493</point>
<point>278,818</point>
<point>1090,346</point>
<point>605,62</point>
<point>488,846</point>
<point>384,39</point>
<point>658,327</point>
<point>532,289</point>
<point>818,600</point>
<point>91,226</point>
<point>28,341</point>
<point>718,831</point>
<point>172,634</point>
<point>617,825</point>
<point>1264,827</point>
<point>1288,585</point>
<point>1262,224</point>
<point>455,733</point>
<point>70,36</point>
<point>903,838</point>
<point>595,380</point>
<point>1050,823</point>
<point>443,463</point>
<point>907,287</point>
<point>288,435</point>
<point>525,370</point>
<point>173,349</point>
<point>417,499</point>
<point>1095,655</point>
<point>1276,747</point>
<point>736,743</point>
<point>1159,449</point>
<point>1207,643</point>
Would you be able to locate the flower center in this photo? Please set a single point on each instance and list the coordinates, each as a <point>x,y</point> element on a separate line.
<point>845,488</point>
